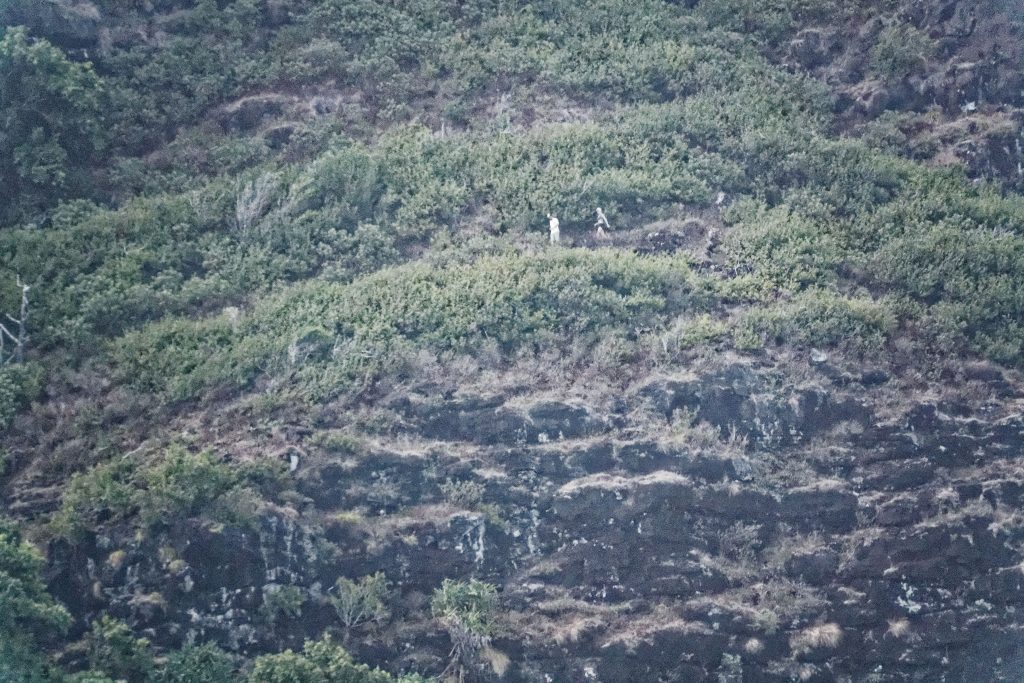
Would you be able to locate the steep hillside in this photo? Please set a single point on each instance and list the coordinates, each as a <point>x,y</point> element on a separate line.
<point>302,383</point>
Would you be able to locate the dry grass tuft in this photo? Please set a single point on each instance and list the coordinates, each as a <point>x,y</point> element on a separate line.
<point>816,637</point>
<point>570,630</point>
<point>643,628</point>
<point>498,660</point>
<point>766,605</point>
<point>898,628</point>
<point>610,482</point>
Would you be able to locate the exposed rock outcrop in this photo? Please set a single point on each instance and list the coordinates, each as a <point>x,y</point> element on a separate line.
<point>65,23</point>
<point>795,533</point>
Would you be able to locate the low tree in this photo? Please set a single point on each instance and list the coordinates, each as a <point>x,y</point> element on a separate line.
<point>114,650</point>
<point>321,661</point>
<point>28,614</point>
<point>197,664</point>
<point>285,667</point>
<point>51,124</point>
<point>361,601</point>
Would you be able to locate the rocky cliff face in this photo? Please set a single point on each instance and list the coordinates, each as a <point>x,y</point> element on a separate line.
<point>74,25</point>
<point>776,517</point>
<point>770,522</point>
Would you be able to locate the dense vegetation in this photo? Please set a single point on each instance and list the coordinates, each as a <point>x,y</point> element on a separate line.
<point>31,619</point>
<point>192,237</point>
<point>28,615</point>
<point>51,126</point>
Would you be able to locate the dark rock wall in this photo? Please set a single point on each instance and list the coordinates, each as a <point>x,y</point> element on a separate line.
<point>792,533</point>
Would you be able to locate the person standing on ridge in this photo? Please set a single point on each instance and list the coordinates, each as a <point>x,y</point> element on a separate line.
<point>602,223</point>
<point>553,228</point>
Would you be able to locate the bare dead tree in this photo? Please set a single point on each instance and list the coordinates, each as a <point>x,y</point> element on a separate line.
<point>19,339</point>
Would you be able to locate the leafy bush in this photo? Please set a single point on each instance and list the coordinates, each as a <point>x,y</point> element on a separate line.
<point>28,614</point>
<point>567,169</point>
<point>347,177</point>
<point>98,273</point>
<point>197,664</point>
<point>463,493</point>
<point>23,663</point>
<point>286,667</point>
<point>689,333</point>
<point>470,604</point>
<point>339,443</point>
<point>102,494</point>
<point>900,50</point>
<point>184,484</point>
<point>468,611</point>
<point>320,662</point>
<point>89,677</point>
<point>924,236</point>
<point>819,318</point>
<point>176,485</point>
<point>178,357</point>
<point>363,600</point>
<point>115,651</point>
<point>51,124</point>
<point>20,384</point>
<point>784,247</point>
<point>282,602</point>
<point>772,20</point>
<point>333,336</point>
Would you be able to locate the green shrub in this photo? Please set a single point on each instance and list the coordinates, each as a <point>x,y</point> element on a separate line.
<point>101,495</point>
<point>115,651</point>
<point>282,602</point>
<point>51,124</point>
<point>772,20</point>
<point>197,664</point>
<point>89,677</point>
<point>689,333</point>
<point>470,604</point>
<point>332,336</point>
<point>27,611</point>
<point>467,610</point>
<point>496,298</point>
<point>178,357</point>
<point>347,177</point>
<point>240,506</point>
<point>286,667</point>
<point>29,616</point>
<point>818,318</point>
<point>173,486</point>
<point>183,484</point>
<point>23,663</point>
<point>338,666</point>
<point>463,493</point>
<point>567,169</point>
<point>784,247</point>
<point>338,443</point>
<point>20,384</point>
<point>900,50</point>
<point>361,601</point>
<point>320,662</point>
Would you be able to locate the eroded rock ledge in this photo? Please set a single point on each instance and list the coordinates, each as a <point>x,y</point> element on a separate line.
<point>736,525</point>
